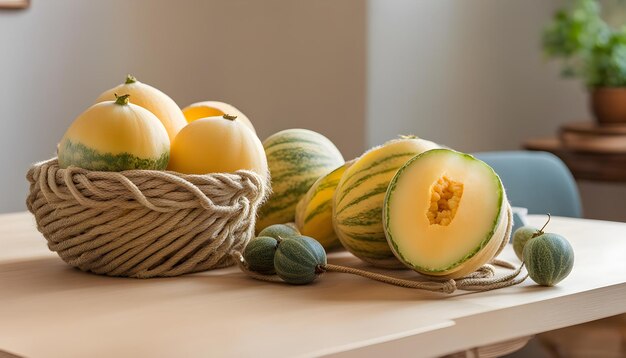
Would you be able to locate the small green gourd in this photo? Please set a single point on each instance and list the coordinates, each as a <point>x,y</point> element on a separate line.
<point>259,254</point>
<point>299,260</point>
<point>521,237</point>
<point>549,258</point>
<point>279,231</point>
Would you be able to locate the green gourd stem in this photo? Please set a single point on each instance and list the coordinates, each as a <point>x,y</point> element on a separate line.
<point>122,100</point>
<point>540,232</point>
<point>130,79</point>
<point>230,117</point>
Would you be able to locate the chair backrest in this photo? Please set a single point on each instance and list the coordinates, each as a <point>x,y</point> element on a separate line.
<point>539,181</point>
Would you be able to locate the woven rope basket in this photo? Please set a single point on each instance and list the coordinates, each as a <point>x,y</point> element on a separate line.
<point>143,223</point>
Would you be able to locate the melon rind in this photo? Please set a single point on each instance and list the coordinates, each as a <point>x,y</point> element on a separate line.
<point>315,210</point>
<point>296,159</point>
<point>359,199</point>
<point>79,155</point>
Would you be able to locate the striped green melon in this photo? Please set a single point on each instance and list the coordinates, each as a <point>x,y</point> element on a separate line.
<point>259,254</point>
<point>359,197</point>
<point>280,231</point>
<point>296,159</point>
<point>549,258</point>
<point>314,212</point>
<point>298,259</point>
<point>446,214</point>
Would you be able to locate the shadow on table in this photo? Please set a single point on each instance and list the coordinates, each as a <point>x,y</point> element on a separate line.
<point>51,276</point>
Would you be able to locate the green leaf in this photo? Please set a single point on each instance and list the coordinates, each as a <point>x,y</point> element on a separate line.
<point>586,45</point>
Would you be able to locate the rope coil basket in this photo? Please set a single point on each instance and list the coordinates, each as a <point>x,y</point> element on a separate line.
<point>144,223</point>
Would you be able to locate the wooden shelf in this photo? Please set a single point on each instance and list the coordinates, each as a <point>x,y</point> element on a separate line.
<point>585,164</point>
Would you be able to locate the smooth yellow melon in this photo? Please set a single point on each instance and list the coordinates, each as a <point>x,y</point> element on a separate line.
<point>217,145</point>
<point>152,99</point>
<point>115,136</point>
<point>212,109</point>
<point>446,214</point>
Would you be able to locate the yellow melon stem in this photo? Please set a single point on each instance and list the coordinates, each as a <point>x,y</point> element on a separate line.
<point>445,197</point>
<point>130,79</point>
<point>230,117</point>
<point>122,100</point>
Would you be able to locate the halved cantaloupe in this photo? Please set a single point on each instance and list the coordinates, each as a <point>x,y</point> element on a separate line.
<point>446,214</point>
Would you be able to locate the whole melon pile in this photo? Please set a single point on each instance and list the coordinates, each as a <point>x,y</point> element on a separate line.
<point>408,203</point>
<point>136,126</point>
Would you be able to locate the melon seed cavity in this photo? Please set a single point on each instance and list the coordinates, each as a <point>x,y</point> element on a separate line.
<point>445,196</point>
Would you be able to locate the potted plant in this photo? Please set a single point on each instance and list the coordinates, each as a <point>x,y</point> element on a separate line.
<point>595,52</point>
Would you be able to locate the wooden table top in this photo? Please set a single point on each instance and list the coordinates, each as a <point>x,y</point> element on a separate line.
<point>48,309</point>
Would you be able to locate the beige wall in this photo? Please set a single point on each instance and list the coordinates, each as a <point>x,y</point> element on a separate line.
<point>285,63</point>
<point>471,75</point>
<point>467,74</point>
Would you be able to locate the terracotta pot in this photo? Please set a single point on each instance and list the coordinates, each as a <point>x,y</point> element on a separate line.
<point>608,105</point>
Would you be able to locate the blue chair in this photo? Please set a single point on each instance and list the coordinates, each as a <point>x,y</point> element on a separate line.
<point>539,181</point>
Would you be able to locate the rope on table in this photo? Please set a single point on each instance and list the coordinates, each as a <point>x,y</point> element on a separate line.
<point>481,280</point>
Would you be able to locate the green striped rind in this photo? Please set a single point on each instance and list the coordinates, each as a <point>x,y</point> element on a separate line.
<point>359,198</point>
<point>79,155</point>
<point>259,254</point>
<point>296,159</point>
<point>297,258</point>
<point>549,259</point>
<point>521,237</point>
<point>314,210</point>
<point>500,218</point>
<point>328,182</point>
<point>279,231</point>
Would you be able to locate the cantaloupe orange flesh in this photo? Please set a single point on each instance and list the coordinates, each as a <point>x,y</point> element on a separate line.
<point>444,207</point>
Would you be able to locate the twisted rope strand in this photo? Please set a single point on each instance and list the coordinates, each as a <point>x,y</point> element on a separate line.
<point>480,280</point>
<point>243,266</point>
<point>445,287</point>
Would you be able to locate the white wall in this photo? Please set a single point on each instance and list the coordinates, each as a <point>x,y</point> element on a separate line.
<point>471,75</point>
<point>284,63</point>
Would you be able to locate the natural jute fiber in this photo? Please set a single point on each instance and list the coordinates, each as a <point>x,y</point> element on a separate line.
<point>482,279</point>
<point>143,223</point>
